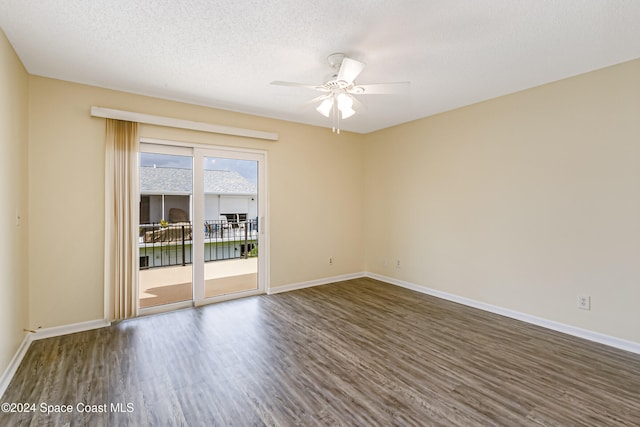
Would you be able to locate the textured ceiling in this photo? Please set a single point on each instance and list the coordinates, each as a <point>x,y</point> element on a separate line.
<point>224,53</point>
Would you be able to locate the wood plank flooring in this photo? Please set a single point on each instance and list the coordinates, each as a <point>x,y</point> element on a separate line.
<point>359,353</point>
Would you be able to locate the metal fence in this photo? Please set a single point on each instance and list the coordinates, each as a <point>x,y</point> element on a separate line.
<point>163,245</point>
<point>230,239</point>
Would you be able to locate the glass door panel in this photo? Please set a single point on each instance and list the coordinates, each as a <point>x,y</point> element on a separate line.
<point>165,232</point>
<point>200,210</point>
<point>231,212</point>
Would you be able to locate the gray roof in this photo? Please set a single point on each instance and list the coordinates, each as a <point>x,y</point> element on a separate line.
<point>179,181</point>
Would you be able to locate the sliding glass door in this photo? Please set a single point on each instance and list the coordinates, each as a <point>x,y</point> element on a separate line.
<point>165,231</point>
<point>201,211</point>
<point>230,201</point>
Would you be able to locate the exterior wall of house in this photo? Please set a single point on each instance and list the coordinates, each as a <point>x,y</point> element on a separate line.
<point>66,174</point>
<point>521,202</point>
<point>214,206</point>
<point>155,208</point>
<point>156,213</point>
<point>164,255</point>
<point>13,202</point>
<point>226,204</point>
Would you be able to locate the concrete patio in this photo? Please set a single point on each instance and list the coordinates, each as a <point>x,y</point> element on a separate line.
<point>174,284</point>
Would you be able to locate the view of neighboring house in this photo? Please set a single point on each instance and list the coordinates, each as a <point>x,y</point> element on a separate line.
<point>230,213</point>
<point>164,190</point>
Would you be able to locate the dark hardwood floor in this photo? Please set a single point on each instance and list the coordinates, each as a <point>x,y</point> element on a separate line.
<point>359,353</point>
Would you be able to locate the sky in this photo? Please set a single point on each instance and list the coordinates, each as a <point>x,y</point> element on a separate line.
<point>246,168</point>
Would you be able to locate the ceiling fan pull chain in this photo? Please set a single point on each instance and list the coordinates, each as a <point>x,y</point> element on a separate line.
<point>336,117</point>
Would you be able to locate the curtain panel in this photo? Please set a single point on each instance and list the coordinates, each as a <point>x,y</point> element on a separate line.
<point>121,220</point>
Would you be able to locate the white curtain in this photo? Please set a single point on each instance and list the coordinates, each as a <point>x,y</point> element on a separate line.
<point>121,220</point>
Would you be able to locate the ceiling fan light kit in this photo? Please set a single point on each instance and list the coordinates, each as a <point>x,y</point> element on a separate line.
<point>325,107</point>
<point>339,100</point>
<point>339,107</point>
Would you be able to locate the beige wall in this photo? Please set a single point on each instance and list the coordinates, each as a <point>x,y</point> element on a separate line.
<point>315,212</point>
<point>521,202</point>
<point>13,190</point>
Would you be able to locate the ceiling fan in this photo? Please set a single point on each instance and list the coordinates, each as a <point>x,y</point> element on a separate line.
<point>337,100</point>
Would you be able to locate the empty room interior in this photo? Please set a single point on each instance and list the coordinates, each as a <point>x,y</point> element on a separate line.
<point>328,213</point>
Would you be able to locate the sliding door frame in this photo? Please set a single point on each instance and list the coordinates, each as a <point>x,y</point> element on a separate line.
<point>198,152</point>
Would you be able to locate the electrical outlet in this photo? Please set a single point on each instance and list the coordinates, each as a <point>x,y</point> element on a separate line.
<point>397,263</point>
<point>330,260</point>
<point>584,302</point>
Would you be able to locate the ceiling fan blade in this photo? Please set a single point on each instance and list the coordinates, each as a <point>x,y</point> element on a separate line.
<point>381,88</point>
<point>357,105</point>
<point>349,70</point>
<point>314,102</point>
<point>321,98</point>
<point>304,85</point>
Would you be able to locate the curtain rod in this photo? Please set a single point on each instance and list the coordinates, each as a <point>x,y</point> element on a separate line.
<point>151,119</point>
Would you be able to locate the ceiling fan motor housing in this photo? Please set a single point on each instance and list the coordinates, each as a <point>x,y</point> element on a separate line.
<point>335,60</point>
<point>336,84</point>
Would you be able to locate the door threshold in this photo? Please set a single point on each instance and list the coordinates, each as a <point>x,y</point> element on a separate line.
<point>164,308</point>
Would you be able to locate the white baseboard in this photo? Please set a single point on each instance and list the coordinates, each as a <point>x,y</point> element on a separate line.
<point>69,329</point>
<point>318,282</point>
<point>8,374</point>
<point>39,334</point>
<point>534,320</point>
